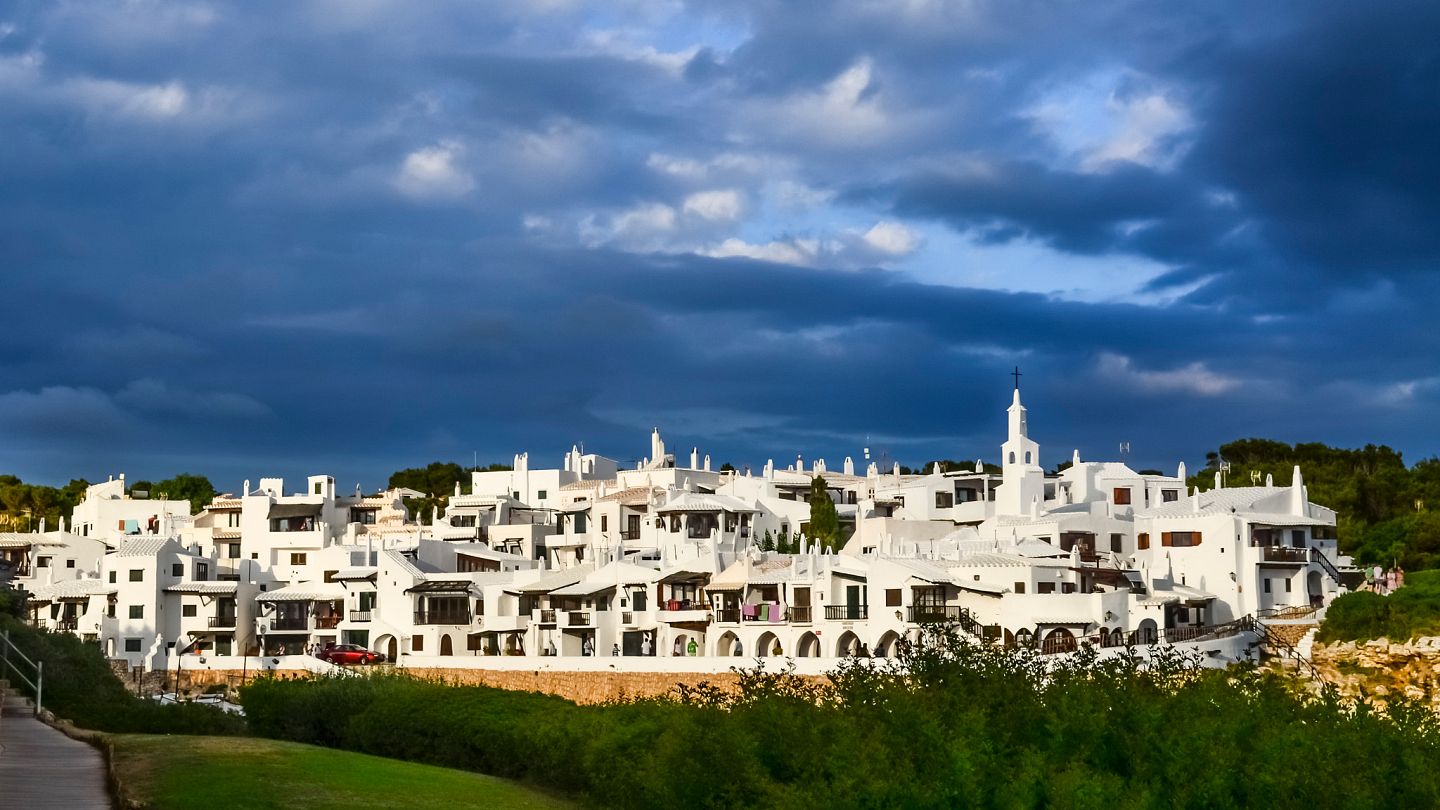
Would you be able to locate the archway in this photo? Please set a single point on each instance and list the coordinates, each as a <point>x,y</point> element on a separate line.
<point>809,646</point>
<point>1059,640</point>
<point>446,646</point>
<point>1316,588</point>
<point>1023,637</point>
<point>885,647</point>
<point>1148,632</point>
<point>728,645</point>
<point>848,646</point>
<point>768,645</point>
<point>390,646</point>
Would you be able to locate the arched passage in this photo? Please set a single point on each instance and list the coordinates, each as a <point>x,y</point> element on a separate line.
<point>1316,587</point>
<point>1147,633</point>
<point>389,646</point>
<point>446,646</point>
<point>728,644</point>
<point>885,647</point>
<point>768,645</point>
<point>1058,640</point>
<point>848,646</point>
<point>809,646</point>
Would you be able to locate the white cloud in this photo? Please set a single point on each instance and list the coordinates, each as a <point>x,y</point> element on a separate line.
<point>847,111</point>
<point>1114,116</point>
<point>1195,378</point>
<point>791,251</point>
<point>433,173</point>
<point>715,205</point>
<point>645,227</point>
<point>892,238</point>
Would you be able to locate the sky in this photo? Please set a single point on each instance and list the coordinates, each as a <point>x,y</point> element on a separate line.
<point>351,236</point>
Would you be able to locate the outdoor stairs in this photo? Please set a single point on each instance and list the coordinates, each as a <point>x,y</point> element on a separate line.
<point>12,702</point>
<point>1283,642</point>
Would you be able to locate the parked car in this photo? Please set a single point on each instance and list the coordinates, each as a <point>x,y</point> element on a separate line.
<point>350,654</point>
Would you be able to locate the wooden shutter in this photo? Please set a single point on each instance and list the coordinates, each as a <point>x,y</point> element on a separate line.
<point>1144,540</point>
<point>1165,538</point>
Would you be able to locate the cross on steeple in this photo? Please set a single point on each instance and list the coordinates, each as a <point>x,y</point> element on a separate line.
<point>1016,375</point>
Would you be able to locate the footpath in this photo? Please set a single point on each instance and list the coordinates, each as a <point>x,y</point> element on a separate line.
<point>40,768</point>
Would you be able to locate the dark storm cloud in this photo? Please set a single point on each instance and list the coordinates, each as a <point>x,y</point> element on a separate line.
<point>347,238</point>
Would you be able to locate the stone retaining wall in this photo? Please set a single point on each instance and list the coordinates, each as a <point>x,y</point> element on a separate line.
<point>1378,668</point>
<point>581,687</point>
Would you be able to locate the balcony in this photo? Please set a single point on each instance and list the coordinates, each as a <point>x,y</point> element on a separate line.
<point>289,624</point>
<point>628,534</point>
<point>442,617</point>
<point>327,622</point>
<point>578,618</point>
<point>847,613</point>
<point>222,621</point>
<point>921,614</point>
<point>1285,554</point>
<point>801,614</point>
<point>360,615</point>
<point>547,616</point>
<point>728,615</point>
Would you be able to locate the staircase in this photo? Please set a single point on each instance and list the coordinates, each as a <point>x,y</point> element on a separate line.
<point>1279,646</point>
<point>16,664</point>
<point>1349,579</point>
<point>13,702</point>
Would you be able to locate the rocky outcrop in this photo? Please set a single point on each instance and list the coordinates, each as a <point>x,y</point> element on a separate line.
<point>1379,668</point>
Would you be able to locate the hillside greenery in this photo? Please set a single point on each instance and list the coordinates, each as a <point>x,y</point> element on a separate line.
<point>1408,613</point>
<point>23,506</point>
<point>436,481</point>
<point>969,726</point>
<point>81,687</point>
<point>1387,513</point>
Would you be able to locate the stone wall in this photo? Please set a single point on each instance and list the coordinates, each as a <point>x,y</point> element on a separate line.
<point>1378,668</point>
<point>581,687</point>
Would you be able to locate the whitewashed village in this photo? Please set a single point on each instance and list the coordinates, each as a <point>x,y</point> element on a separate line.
<point>671,565</point>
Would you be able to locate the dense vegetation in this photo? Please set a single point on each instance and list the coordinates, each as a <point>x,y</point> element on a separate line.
<point>1409,612</point>
<point>179,773</point>
<point>436,481</point>
<point>1383,507</point>
<point>196,489</point>
<point>970,726</point>
<point>25,505</point>
<point>79,685</point>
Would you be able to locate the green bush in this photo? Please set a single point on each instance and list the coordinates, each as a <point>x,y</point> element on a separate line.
<point>1409,612</point>
<point>965,726</point>
<point>81,687</point>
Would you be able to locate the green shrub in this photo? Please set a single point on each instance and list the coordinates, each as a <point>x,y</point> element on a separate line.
<point>81,687</point>
<point>1411,611</point>
<point>964,726</point>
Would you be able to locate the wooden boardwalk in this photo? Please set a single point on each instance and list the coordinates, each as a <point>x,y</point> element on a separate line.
<point>40,768</point>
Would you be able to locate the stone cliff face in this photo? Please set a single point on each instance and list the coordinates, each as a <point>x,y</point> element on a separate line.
<point>1379,668</point>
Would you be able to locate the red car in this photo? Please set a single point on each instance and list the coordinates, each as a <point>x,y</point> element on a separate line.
<point>350,654</point>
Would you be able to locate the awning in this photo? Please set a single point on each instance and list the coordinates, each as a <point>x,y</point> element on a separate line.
<point>289,510</point>
<point>683,575</point>
<point>724,586</point>
<point>305,592</point>
<point>214,587</point>
<point>442,586</point>
<point>583,588</point>
<point>346,574</point>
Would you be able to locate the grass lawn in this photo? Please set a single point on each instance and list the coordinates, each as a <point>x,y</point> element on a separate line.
<point>178,772</point>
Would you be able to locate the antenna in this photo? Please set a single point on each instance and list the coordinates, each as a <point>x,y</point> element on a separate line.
<point>1254,477</point>
<point>1124,448</point>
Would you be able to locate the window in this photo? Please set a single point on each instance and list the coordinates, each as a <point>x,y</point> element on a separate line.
<point>1122,496</point>
<point>1267,585</point>
<point>137,611</point>
<point>540,494</point>
<point>1297,538</point>
<point>1067,587</point>
<point>1287,585</point>
<point>892,597</point>
<point>42,562</point>
<point>1180,539</point>
<point>366,517</point>
<point>1117,543</point>
<point>132,645</point>
<point>112,577</point>
<point>318,488</point>
<point>1169,495</point>
<point>462,521</point>
<point>232,520</point>
<point>137,575</point>
<point>1143,541</point>
<point>297,558</point>
<point>188,611</point>
<point>110,610</point>
<point>944,500</point>
<point>69,563</point>
<point>234,553</point>
<point>1019,587</point>
<point>177,569</point>
<point>580,523</point>
<point>1045,587</point>
<point>604,523</point>
<point>329,576</point>
<point>417,643</point>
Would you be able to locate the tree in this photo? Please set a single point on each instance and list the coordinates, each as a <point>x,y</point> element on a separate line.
<point>196,489</point>
<point>437,481</point>
<point>824,518</point>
